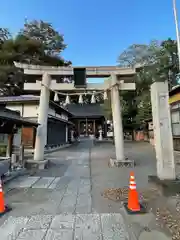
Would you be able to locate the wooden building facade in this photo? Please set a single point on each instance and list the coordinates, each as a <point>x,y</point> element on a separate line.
<point>58,127</point>
<point>88,119</point>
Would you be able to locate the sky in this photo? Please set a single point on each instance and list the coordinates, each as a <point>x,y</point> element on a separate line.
<point>96,31</point>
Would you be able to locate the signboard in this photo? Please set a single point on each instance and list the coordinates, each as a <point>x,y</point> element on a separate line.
<point>110,134</point>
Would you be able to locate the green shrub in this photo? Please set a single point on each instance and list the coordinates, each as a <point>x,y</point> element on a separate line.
<point>3,150</point>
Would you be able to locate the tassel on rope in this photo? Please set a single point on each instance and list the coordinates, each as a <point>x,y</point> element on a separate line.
<point>105,95</point>
<point>67,100</point>
<point>80,99</point>
<point>56,97</point>
<point>93,100</point>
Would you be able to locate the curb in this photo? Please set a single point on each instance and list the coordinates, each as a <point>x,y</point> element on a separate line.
<point>103,141</point>
<point>58,148</point>
<point>24,171</point>
<point>52,149</point>
<point>14,175</point>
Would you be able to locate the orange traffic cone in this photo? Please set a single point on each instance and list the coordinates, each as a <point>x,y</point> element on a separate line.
<point>3,208</point>
<point>133,201</point>
<point>133,206</point>
<point>2,203</point>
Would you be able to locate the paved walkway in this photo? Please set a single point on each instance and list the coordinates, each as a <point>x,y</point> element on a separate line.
<point>65,202</point>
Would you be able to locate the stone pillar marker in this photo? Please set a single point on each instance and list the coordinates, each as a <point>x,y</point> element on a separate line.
<point>41,135</point>
<point>66,133</point>
<point>162,131</point>
<point>100,135</point>
<point>72,135</point>
<point>117,119</point>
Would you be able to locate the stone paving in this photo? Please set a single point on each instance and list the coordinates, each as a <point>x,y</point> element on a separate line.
<point>105,177</point>
<point>60,207</point>
<point>64,202</point>
<point>35,182</point>
<point>65,227</point>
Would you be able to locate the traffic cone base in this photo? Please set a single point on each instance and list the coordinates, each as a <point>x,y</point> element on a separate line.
<point>133,206</point>
<point>6,210</point>
<point>129,211</point>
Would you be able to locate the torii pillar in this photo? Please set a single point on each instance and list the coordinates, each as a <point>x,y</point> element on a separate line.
<point>41,136</point>
<point>117,119</point>
<point>120,159</point>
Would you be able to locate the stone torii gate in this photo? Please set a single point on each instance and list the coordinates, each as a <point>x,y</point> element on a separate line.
<point>117,81</point>
<point>114,83</point>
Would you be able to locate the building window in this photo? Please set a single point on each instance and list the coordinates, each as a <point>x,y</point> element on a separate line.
<point>175,106</point>
<point>175,118</point>
<point>2,137</point>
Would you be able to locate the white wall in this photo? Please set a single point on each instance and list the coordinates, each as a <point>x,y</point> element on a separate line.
<point>15,108</point>
<point>26,110</point>
<point>31,110</point>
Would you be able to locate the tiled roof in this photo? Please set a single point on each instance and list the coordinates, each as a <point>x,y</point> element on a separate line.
<point>85,110</point>
<point>14,116</point>
<point>27,98</point>
<point>19,98</point>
